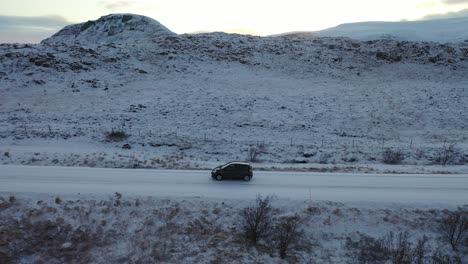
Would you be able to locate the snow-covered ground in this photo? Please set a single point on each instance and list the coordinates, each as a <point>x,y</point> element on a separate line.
<point>189,100</point>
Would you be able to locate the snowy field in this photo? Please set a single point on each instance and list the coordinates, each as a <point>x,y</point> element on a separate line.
<point>122,215</point>
<point>184,101</point>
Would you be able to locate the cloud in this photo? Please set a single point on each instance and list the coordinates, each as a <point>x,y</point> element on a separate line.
<point>455,2</point>
<point>28,23</point>
<point>461,13</point>
<point>129,6</point>
<point>114,5</point>
<point>29,29</point>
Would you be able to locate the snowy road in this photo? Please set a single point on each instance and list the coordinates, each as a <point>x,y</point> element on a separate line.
<point>430,189</point>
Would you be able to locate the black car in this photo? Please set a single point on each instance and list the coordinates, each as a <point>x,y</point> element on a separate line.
<point>233,170</point>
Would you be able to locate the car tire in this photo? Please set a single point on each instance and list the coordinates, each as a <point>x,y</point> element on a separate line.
<point>219,177</point>
<point>247,178</point>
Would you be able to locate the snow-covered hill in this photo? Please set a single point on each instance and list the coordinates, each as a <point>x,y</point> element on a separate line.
<point>111,28</point>
<point>440,30</point>
<point>201,98</point>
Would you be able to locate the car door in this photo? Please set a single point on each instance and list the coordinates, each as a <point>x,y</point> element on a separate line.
<point>238,171</point>
<point>229,171</point>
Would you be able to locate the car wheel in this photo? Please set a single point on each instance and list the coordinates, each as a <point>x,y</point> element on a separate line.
<point>219,177</point>
<point>246,178</point>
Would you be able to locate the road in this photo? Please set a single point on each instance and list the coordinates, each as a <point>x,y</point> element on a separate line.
<point>341,187</point>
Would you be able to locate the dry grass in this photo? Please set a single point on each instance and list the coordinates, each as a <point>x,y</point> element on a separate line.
<point>132,230</point>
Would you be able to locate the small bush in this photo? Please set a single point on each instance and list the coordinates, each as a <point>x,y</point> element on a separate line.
<point>253,152</point>
<point>399,247</point>
<point>118,135</point>
<point>392,157</point>
<point>367,249</point>
<point>287,234</point>
<point>440,257</point>
<point>447,155</point>
<point>6,154</point>
<point>117,199</point>
<point>454,229</point>
<point>390,248</point>
<point>257,221</point>
<point>350,159</point>
<point>420,251</point>
<point>324,158</point>
<point>58,200</point>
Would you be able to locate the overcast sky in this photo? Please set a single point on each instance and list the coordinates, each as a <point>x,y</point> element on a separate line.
<point>34,20</point>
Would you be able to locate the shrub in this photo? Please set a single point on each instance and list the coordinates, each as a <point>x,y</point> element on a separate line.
<point>392,157</point>
<point>446,155</point>
<point>350,159</point>
<point>398,247</point>
<point>117,135</point>
<point>287,234</point>
<point>390,248</point>
<point>367,249</point>
<point>420,251</point>
<point>454,229</point>
<point>58,200</point>
<point>253,152</point>
<point>440,257</point>
<point>257,221</point>
<point>324,158</point>
<point>117,199</point>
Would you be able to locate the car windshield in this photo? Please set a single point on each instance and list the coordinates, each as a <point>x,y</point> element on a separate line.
<point>227,164</point>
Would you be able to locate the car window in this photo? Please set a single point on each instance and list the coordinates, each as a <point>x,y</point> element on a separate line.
<point>236,167</point>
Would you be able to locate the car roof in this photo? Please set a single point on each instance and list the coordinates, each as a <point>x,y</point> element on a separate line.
<point>238,163</point>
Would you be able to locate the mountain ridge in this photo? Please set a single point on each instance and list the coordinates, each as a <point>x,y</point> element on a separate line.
<point>437,30</point>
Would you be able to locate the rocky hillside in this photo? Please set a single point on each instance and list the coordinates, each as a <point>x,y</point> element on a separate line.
<point>208,97</point>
